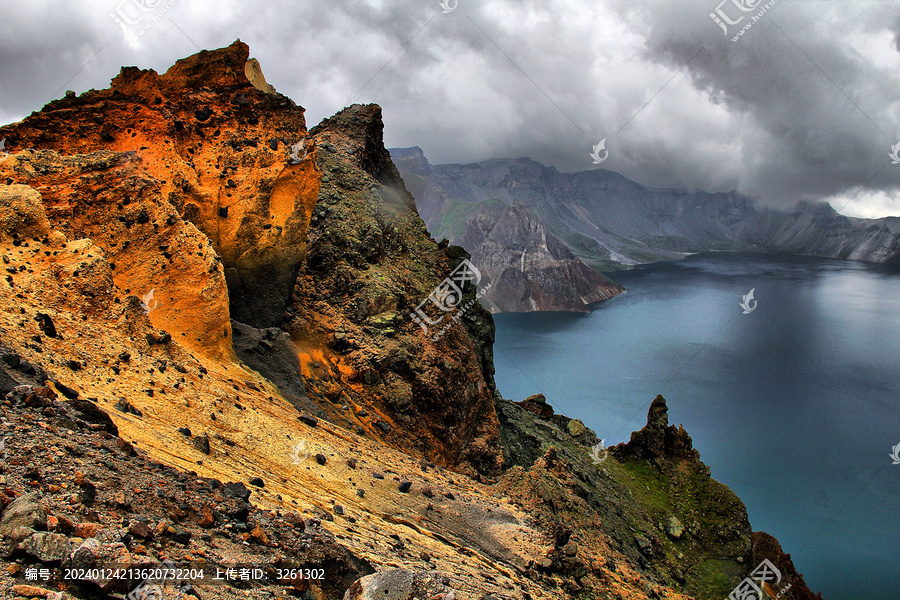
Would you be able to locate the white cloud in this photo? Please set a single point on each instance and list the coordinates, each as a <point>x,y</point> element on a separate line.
<point>868,205</point>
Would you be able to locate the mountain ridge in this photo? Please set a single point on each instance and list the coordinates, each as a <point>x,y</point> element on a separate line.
<point>611,222</point>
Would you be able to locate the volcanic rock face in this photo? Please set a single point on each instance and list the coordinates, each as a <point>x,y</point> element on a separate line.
<point>528,267</point>
<point>218,147</point>
<point>370,262</point>
<point>108,198</point>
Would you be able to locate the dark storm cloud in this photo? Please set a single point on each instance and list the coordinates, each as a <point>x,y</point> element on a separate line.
<point>817,84</point>
<point>678,102</point>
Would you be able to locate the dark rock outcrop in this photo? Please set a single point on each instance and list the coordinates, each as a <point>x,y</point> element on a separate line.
<point>537,405</point>
<point>370,263</point>
<point>658,440</point>
<point>766,547</point>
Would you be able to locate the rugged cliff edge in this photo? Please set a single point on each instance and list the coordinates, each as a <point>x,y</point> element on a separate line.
<point>208,358</point>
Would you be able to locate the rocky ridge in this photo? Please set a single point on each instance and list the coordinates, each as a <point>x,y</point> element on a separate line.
<point>370,262</point>
<point>529,268</point>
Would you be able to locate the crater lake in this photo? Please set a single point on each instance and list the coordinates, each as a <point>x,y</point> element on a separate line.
<point>794,405</point>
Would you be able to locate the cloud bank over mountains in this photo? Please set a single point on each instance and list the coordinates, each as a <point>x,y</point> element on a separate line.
<point>804,105</point>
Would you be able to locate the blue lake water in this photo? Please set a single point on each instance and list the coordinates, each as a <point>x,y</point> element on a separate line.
<point>795,406</point>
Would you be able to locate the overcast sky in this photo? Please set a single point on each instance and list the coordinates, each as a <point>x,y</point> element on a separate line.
<point>804,105</point>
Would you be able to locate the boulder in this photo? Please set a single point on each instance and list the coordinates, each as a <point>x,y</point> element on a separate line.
<point>201,443</point>
<point>237,490</point>
<point>674,528</point>
<point>537,405</point>
<point>399,584</point>
<point>24,512</point>
<point>22,213</point>
<point>92,554</point>
<point>92,413</point>
<point>31,591</point>
<point>576,428</point>
<point>644,545</point>
<point>47,547</point>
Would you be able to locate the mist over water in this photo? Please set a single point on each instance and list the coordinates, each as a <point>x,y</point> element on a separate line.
<point>795,406</point>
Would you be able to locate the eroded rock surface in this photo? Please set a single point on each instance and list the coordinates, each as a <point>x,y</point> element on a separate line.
<point>218,147</point>
<point>370,263</point>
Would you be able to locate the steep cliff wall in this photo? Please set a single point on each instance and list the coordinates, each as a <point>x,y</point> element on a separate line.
<point>370,264</point>
<point>528,267</point>
<point>154,254</point>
